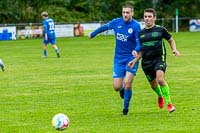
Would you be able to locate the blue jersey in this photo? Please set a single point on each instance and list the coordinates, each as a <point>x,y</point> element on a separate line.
<point>126,35</point>
<point>49,28</point>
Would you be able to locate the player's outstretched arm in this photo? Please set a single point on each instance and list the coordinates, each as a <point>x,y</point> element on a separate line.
<point>173,47</point>
<point>99,30</point>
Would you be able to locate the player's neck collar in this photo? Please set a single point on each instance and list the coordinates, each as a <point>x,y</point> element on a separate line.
<point>127,22</point>
<point>150,27</point>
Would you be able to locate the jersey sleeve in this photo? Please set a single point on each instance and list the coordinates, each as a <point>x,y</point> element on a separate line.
<point>138,45</point>
<point>45,27</point>
<point>108,26</point>
<point>99,30</point>
<point>166,34</point>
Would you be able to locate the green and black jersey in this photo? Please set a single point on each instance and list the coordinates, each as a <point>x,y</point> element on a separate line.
<point>152,45</point>
<point>153,50</point>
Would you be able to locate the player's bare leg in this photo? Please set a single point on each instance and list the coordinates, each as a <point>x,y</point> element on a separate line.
<point>56,50</point>
<point>118,86</point>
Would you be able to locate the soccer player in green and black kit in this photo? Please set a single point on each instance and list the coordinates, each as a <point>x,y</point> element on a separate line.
<point>153,55</point>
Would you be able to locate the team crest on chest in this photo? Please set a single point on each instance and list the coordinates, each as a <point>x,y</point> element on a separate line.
<point>130,30</point>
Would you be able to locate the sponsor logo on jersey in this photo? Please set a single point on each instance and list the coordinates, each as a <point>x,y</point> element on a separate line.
<point>122,37</point>
<point>151,43</point>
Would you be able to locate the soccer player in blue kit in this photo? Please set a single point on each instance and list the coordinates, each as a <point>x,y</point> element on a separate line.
<point>49,34</point>
<point>126,31</point>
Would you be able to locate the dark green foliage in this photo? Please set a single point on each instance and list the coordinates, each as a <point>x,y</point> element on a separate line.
<point>70,11</point>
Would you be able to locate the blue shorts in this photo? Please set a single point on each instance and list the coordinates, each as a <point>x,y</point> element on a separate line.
<point>50,40</point>
<point>120,69</point>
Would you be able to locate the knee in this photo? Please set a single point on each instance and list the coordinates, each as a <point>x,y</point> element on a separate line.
<point>128,85</point>
<point>54,46</point>
<point>154,85</point>
<point>117,87</point>
<point>161,81</point>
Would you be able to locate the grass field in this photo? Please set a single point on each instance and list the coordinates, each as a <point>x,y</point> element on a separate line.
<point>79,84</point>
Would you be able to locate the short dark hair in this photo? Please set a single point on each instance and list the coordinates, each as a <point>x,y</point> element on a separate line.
<point>44,14</point>
<point>128,4</point>
<point>151,10</point>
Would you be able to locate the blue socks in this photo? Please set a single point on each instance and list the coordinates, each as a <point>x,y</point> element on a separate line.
<point>45,52</point>
<point>127,98</point>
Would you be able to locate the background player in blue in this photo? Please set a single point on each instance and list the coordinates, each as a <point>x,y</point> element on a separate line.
<point>126,31</point>
<point>49,34</point>
<point>153,55</point>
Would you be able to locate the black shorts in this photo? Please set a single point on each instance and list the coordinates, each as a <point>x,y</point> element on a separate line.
<point>151,66</point>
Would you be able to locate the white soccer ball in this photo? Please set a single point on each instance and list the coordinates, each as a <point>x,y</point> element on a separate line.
<point>60,121</point>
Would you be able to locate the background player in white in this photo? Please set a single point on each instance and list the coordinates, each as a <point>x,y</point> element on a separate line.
<point>126,31</point>
<point>49,34</point>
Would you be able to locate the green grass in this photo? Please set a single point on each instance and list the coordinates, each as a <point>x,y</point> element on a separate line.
<point>79,84</point>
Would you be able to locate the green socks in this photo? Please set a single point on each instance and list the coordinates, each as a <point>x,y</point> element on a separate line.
<point>165,90</point>
<point>158,91</point>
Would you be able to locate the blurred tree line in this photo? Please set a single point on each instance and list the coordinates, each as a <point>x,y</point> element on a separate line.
<point>72,11</point>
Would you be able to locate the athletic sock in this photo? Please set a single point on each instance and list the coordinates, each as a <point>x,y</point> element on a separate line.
<point>127,98</point>
<point>122,89</point>
<point>165,90</point>
<point>56,50</point>
<point>158,91</point>
<point>45,52</point>
<point>122,92</point>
